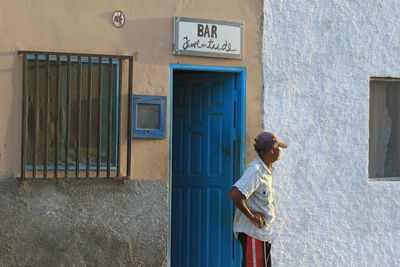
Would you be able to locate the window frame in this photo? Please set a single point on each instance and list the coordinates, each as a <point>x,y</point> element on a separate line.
<point>143,132</point>
<point>115,113</point>
<point>374,177</point>
<point>113,169</point>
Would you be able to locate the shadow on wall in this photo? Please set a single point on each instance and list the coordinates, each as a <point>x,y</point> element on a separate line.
<point>151,37</point>
<point>10,152</point>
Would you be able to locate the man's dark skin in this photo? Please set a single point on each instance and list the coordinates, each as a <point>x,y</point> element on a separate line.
<point>239,199</point>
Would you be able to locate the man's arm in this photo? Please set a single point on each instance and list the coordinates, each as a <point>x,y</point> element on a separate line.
<point>239,200</point>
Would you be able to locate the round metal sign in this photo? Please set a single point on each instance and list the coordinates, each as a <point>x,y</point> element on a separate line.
<point>118,19</point>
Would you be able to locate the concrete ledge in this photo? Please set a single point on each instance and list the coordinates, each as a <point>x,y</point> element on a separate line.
<point>383,179</point>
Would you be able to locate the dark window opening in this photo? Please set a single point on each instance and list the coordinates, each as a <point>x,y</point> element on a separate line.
<point>148,116</point>
<point>384,128</point>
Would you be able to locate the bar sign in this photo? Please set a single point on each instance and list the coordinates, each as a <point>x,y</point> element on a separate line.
<point>207,38</point>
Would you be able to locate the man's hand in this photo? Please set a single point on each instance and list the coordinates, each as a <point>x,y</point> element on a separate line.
<point>258,218</point>
<point>239,200</point>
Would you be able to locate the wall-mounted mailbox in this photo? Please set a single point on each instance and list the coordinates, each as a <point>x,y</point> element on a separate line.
<point>148,118</point>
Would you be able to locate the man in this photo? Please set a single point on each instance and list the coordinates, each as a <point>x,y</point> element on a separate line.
<point>253,195</point>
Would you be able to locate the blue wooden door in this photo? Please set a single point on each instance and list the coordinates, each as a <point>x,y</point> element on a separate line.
<point>202,172</point>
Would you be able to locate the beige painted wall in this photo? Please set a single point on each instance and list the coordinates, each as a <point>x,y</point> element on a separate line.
<point>85,26</point>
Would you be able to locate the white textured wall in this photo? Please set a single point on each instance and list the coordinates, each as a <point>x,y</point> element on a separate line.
<point>318,57</point>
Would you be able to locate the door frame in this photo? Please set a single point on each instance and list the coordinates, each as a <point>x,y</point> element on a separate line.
<point>240,150</point>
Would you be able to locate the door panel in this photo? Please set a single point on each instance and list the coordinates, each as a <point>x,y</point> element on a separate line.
<point>202,172</point>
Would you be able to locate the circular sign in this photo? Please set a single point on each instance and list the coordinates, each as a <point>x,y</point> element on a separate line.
<point>118,19</point>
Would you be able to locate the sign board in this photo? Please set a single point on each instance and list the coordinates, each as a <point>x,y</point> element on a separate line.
<point>118,19</point>
<point>208,38</point>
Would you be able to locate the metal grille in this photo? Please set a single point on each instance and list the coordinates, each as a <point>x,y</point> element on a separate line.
<point>71,115</point>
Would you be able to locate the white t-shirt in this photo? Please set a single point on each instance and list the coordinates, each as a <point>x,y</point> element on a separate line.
<point>257,185</point>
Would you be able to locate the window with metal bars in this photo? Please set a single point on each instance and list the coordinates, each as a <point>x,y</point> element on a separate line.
<point>71,121</point>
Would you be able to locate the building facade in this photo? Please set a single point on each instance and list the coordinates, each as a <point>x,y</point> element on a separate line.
<point>80,84</point>
<point>81,182</point>
<point>324,64</point>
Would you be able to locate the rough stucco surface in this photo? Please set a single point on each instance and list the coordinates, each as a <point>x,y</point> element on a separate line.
<point>318,57</point>
<point>83,223</point>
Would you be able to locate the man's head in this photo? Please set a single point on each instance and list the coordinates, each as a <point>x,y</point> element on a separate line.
<point>267,146</point>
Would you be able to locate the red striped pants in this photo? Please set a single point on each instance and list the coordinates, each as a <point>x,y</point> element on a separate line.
<point>256,253</point>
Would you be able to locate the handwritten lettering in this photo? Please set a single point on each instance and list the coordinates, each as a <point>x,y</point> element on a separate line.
<point>210,44</point>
